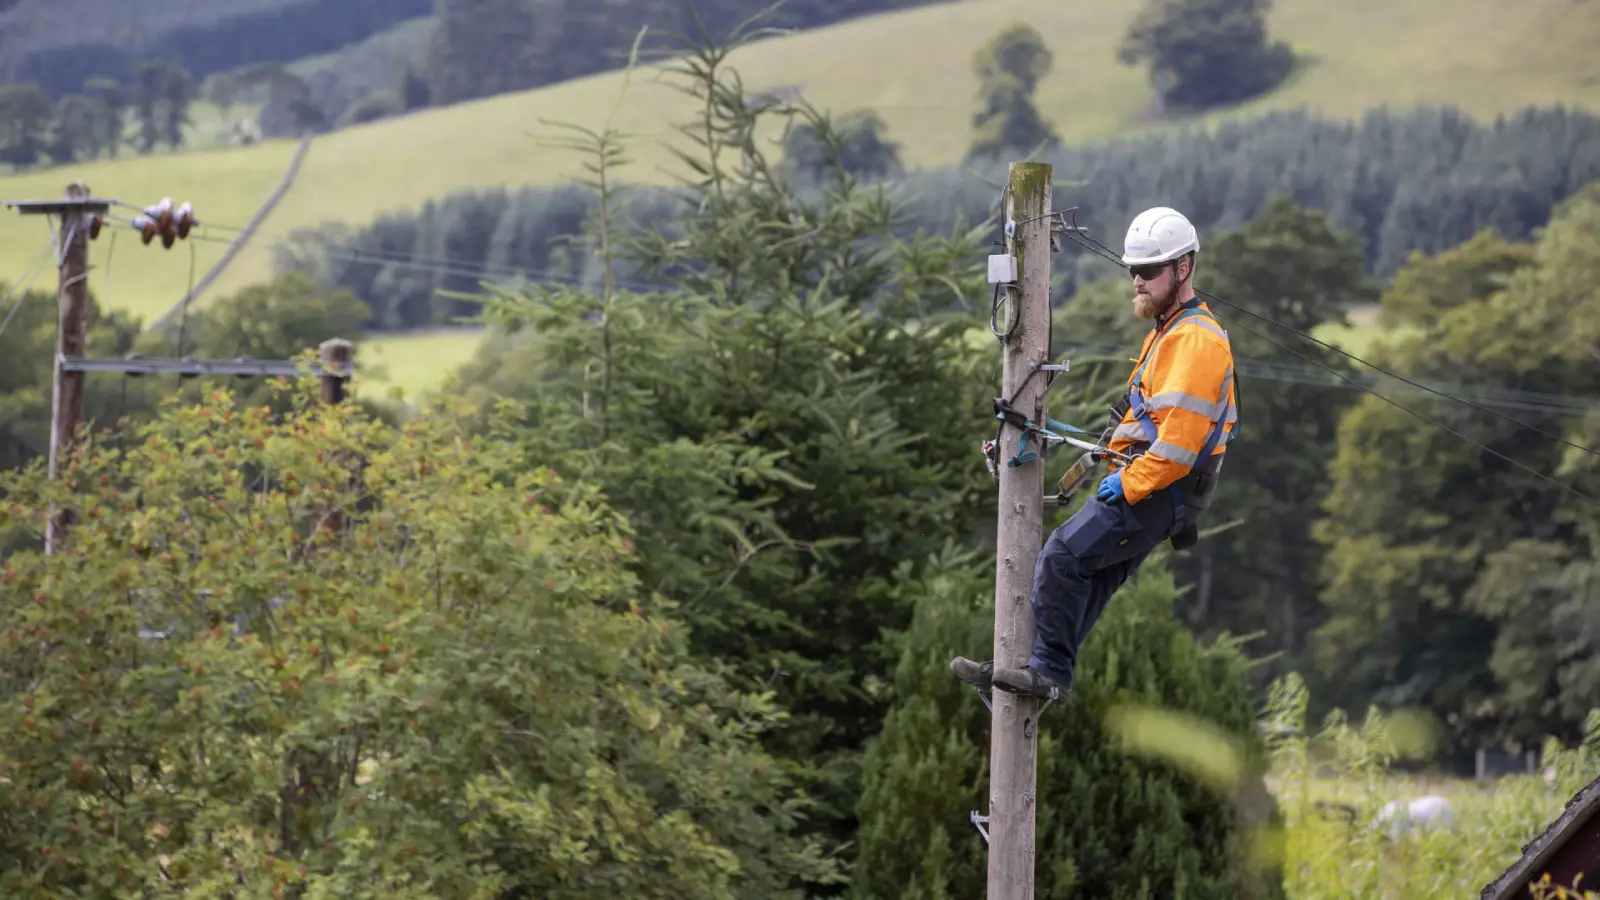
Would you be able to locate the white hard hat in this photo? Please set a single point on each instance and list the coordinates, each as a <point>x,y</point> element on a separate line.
<point>1158,235</point>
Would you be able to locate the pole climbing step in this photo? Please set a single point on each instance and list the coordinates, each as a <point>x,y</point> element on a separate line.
<point>1028,730</point>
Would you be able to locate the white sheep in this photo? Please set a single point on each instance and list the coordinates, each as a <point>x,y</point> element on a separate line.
<point>1432,811</point>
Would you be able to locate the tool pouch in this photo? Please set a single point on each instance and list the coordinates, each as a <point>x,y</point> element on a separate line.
<point>1186,537</point>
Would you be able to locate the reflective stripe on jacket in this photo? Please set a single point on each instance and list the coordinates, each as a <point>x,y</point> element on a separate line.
<point>1183,385</point>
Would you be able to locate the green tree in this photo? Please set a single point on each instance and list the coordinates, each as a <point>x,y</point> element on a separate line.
<point>27,366</point>
<point>1205,53</point>
<point>927,768</point>
<point>287,106</point>
<point>415,92</point>
<point>455,688</point>
<point>1111,822</point>
<point>25,119</point>
<point>279,319</point>
<point>859,147</point>
<point>178,92</point>
<point>1430,285</point>
<point>276,319</point>
<point>486,47</point>
<point>112,110</point>
<point>1454,577</point>
<point>76,129</point>
<point>766,425</point>
<point>1009,69</point>
<point>146,102</point>
<point>1362,175</point>
<point>161,95</point>
<point>1289,266</point>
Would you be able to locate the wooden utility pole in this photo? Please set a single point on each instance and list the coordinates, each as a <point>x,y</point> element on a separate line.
<point>1013,750</point>
<point>337,355</point>
<point>72,339</point>
<point>82,217</point>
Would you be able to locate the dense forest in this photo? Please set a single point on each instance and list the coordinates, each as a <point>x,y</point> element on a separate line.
<point>1390,180</point>
<point>61,44</point>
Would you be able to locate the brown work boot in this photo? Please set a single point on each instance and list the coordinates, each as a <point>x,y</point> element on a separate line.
<point>973,673</point>
<point>1027,682</point>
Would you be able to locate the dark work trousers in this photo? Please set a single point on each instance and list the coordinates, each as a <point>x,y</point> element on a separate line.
<point>1082,564</point>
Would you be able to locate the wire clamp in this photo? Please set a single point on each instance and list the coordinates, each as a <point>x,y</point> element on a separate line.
<point>1059,226</point>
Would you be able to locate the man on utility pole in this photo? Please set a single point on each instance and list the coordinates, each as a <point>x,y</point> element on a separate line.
<point>1013,751</point>
<point>1172,428</point>
<point>1169,431</point>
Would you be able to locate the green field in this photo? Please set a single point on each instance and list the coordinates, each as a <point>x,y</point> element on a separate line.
<point>414,363</point>
<point>1487,56</point>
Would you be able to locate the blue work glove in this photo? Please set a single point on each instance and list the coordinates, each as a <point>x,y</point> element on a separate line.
<point>1111,488</point>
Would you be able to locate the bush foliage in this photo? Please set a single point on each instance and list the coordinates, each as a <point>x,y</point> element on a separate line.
<point>453,688</point>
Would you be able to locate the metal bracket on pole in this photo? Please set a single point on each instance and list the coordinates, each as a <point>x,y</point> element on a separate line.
<point>1060,226</point>
<point>135,366</point>
<point>984,696</point>
<point>979,822</point>
<point>1027,724</point>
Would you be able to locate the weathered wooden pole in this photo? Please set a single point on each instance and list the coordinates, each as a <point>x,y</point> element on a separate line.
<point>1013,756</point>
<point>72,340</point>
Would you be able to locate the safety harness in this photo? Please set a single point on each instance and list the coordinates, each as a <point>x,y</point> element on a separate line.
<point>1192,493</point>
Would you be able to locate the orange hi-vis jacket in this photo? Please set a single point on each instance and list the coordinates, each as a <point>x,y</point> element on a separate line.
<point>1181,402</point>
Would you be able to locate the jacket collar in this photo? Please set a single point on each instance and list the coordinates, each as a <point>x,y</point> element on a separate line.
<point>1169,315</point>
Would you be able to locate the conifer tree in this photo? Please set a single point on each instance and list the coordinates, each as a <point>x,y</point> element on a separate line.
<point>1111,823</point>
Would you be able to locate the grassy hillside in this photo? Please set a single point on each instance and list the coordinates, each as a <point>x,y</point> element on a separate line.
<point>1485,56</point>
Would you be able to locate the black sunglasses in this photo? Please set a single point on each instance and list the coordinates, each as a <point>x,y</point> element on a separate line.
<point>1148,273</point>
